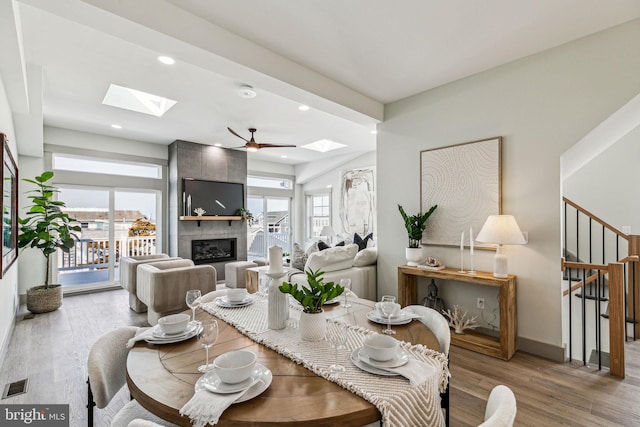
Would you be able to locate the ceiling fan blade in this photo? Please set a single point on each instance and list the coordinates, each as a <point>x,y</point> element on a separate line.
<point>274,146</point>
<point>236,134</point>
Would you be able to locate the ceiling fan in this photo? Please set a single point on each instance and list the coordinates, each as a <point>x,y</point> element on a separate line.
<point>252,145</point>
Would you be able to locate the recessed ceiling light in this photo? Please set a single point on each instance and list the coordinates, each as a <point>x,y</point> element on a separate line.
<point>303,108</point>
<point>284,157</point>
<point>135,100</point>
<point>116,126</point>
<point>323,145</point>
<point>246,91</point>
<point>218,145</point>
<point>166,60</point>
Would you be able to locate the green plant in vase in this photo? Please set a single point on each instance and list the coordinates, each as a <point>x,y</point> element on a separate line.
<point>415,225</point>
<point>313,297</point>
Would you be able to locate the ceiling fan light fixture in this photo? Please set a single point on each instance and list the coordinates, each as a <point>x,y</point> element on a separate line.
<point>252,149</point>
<point>247,92</point>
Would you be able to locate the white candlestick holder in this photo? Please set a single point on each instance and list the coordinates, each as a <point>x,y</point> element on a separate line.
<point>278,306</point>
<point>461,261</point>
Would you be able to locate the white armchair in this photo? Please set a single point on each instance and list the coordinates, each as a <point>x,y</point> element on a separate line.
<point>128,268</point>
<point>162,286</point>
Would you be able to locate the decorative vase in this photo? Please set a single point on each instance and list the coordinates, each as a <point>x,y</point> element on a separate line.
<point>278,306</point>
<point>313,326</point>
<point>41,300</point>
<point>413,255</point>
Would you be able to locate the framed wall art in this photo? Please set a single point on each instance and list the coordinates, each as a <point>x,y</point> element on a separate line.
<point>358,205</point>
<point>9,206</point>
<point>464,181</point>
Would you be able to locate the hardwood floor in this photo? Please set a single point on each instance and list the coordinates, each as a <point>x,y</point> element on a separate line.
<point>51,350</point>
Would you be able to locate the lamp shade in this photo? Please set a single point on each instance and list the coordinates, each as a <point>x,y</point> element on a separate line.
<point>501,230</point>
<point>327,230</point>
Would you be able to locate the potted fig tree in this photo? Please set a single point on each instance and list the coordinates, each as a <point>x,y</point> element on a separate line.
<point>47,228</point>
<point>313,323</point>
<point>415,225</point>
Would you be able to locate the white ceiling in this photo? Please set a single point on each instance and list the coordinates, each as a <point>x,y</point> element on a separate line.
<point>343,58</point>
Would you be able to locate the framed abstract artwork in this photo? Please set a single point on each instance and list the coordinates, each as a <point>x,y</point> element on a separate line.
<point>358,205</point>
<point>464,180</point>
<point>9,207</point>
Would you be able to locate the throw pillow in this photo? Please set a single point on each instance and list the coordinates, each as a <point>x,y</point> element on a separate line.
<point>332,259</point>
<point>367,256</point>
<point>299,258</point>
<point>322,245</point>
<point>340,243</point>
<point>362,243</point>
<point>313,248</point>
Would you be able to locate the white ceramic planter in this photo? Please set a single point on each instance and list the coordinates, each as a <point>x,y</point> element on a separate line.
<point>313,326</point>
<point>413,255</point>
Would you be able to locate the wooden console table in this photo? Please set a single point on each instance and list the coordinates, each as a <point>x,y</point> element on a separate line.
<point>502,348</point>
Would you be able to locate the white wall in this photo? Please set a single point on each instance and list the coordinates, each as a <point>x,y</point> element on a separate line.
<point>591,186</point>
<point>541,105</point>
<point>9,281</point>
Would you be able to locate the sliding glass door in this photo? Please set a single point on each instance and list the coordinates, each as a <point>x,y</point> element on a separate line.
<point>271,225</point>
<point>115,223</point>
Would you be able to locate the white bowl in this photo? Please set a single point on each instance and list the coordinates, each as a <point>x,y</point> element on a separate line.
<point>236,294</point>
<point>174,323</point>
<point>235,366</point>
<point>380,347</point>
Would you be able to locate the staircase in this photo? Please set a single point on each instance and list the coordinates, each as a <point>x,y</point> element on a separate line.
<point>600,265</point>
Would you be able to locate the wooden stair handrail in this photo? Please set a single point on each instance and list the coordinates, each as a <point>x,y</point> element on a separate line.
<point>582,265</point>
<point>596,219</point>
<point>588,280</point>
<point>602,271</point>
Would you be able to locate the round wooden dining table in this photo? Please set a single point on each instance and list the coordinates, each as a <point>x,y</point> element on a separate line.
<point>162,378</point>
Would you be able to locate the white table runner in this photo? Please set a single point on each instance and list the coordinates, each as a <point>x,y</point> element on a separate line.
<point>399,403</point>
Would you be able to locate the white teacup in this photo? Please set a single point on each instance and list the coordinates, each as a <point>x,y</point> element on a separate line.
<point>236,294</point>
<point>380,347</point>
<point>396,311</point>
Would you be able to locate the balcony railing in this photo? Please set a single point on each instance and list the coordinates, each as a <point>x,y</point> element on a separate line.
<point>92,254</point>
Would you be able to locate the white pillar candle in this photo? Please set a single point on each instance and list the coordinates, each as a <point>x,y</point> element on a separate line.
<point>275,259</point>
<point>471,240</point>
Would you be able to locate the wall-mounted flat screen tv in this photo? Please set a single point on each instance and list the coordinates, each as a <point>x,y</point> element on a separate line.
<point>215,197</point>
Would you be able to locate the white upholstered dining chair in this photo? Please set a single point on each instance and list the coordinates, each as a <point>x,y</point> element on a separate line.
<point>106,366</point>
<point>439,326</point>
<point>501,408</point>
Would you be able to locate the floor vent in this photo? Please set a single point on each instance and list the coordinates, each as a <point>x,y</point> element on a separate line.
<point>15,388</point>
<point>28,316</point>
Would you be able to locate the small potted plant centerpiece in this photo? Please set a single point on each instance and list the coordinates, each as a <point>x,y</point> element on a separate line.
<point>46,228</point>
<point>415,225</point>
<point>313,324</point>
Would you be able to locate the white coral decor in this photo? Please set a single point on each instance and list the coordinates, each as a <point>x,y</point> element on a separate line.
<point>457,320</point>
<point>199,211</point>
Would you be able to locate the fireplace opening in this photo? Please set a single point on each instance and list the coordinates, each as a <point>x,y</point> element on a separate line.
<point>213,250</point>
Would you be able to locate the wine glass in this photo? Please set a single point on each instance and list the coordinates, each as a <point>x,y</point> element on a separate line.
<point>208,336</point>
<point>337,336</point>
<point>193,295</point>
<point>388,307</point>
<point>346,284</point>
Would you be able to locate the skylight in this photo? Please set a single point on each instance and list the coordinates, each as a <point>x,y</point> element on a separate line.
<point>135,100</point>
<point>323,145</point>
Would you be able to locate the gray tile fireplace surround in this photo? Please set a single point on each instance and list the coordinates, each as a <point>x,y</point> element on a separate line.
<point>191,160</point>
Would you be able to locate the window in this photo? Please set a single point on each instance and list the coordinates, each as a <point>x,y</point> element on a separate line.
<point>70,162</point>
<point>268,182</point>
<point>318,213</point>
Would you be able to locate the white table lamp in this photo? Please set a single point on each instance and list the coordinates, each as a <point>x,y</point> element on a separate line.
<point>327,231</point>
<point>501,230</point>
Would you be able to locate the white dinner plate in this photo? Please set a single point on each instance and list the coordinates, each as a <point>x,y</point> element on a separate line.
<point>401,319</point>
<point>399,359</point>
<point>210,382</point>
<point>174,338</point>
<point>159,334</point>
<point>368,368</point>
<point>224,302</point>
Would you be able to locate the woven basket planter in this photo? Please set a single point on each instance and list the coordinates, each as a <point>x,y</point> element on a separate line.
<point>41,300</point>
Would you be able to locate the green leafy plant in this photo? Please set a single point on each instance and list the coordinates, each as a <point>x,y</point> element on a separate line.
<point>46,227</point>
<point>313,297</point>
<point>415,225</point>
<point>245,214</point>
